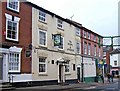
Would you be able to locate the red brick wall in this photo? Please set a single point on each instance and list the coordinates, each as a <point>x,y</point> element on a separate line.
<point>91,41</point>
<point>25,32</point>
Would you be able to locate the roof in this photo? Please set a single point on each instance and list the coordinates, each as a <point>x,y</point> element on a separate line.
<point>57,16</point>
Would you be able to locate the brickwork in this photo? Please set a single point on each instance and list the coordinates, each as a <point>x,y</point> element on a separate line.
<point>25,30</point>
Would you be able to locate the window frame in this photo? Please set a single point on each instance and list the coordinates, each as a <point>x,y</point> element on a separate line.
<point>60,23</point>
<point>67,65</point>
<point>63,44</point>
<point>16,20</point>
<point>45,37</point>
<point>95,50</point>
<point>89,37</point>
<point>41,16</point>
<point>11,57</point>
<point>77,48</point>
<point>95,38</point>
<point>89,49</point>
<point>85,34</point>
<point>85,47</point>
<point>17,10</point>
<point>45,59</point>
<point>115,63</point>
<point>77,31</point>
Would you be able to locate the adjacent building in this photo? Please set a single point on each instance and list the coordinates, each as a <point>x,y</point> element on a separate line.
<point>92,54</point>
<point>16,32</point>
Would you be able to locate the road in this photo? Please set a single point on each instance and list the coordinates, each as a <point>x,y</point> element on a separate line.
<point>96,87</point>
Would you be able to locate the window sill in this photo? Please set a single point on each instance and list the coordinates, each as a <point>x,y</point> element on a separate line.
<point>13,10</point>
<point>67,73</point>
<point>60,28</point>
<point>45,22</point>
<point>43,74</point>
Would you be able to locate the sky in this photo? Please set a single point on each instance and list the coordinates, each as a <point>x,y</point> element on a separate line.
<point>100,16</point>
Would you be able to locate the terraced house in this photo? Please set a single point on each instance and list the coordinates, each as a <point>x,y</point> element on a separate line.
<point>16,22</point>
<point>52,63</point>
<point>39,47</point>
<point>91,54</point>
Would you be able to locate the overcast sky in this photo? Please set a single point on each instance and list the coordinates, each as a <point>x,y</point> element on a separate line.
<point>100,16</point>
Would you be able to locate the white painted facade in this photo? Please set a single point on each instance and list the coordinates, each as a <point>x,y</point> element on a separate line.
<point>50,52</point>
<point>115,65</point>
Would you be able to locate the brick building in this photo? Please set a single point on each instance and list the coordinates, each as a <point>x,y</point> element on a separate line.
<point>16,21</point>
<point>90,52</point>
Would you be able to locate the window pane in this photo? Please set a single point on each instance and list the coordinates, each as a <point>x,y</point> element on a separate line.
<point>13,62</point>
<point>42,38</point>
<point>42,65</point>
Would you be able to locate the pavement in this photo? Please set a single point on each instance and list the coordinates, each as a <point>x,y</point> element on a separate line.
<point>63,87</point>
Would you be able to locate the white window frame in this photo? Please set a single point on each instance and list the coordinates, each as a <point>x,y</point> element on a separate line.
<point>15,50</point>
<point>85,34</point>
<point>68,66</point>
<point>95,50</point>
<point>39,37</point>
<point>77,42</point>
<point>16,20</point>
<point>115,63</point>
<point>77,31</point>
<point>58,23</point>
<point>85,48</point>
<point>43,16</point>
<point>89,49</point>
<point>45,65</point>
<point>17,10</point>
<point>89,37</point>
<point>95,37</point>
<point>63,44</point>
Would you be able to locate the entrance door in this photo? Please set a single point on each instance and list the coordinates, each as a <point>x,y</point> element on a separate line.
<point>60,73</point>
<point>78,74</point>
<point>1,68</point>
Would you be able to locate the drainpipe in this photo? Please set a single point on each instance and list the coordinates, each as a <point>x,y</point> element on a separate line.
<point>82,67</point>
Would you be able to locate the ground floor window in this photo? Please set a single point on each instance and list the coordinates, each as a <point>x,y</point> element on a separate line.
<point>14,62</point>
<point>42,65</point>
<point>67,67</point>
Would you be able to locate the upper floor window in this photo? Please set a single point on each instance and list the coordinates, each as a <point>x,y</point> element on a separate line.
<point>43,38</point>
<point>115,62</point>
<point>77,31</point>
<point>95,37</point>
<point>104,53</point>
<point>13,5</point>
<point>60,24</point>
<point>42,65</point>
<point>12,27</point>
<point>61,46</point>
<point>88,35</point>
<point>77,47</point>
<point>89,48</point>
<point>85,48</point>
<point>42,16</point>
<point>95,50</point>
<point>85,34</point>
<point>99,51</point>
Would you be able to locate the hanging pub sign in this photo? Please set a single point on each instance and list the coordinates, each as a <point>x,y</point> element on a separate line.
<point>57,40</point>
